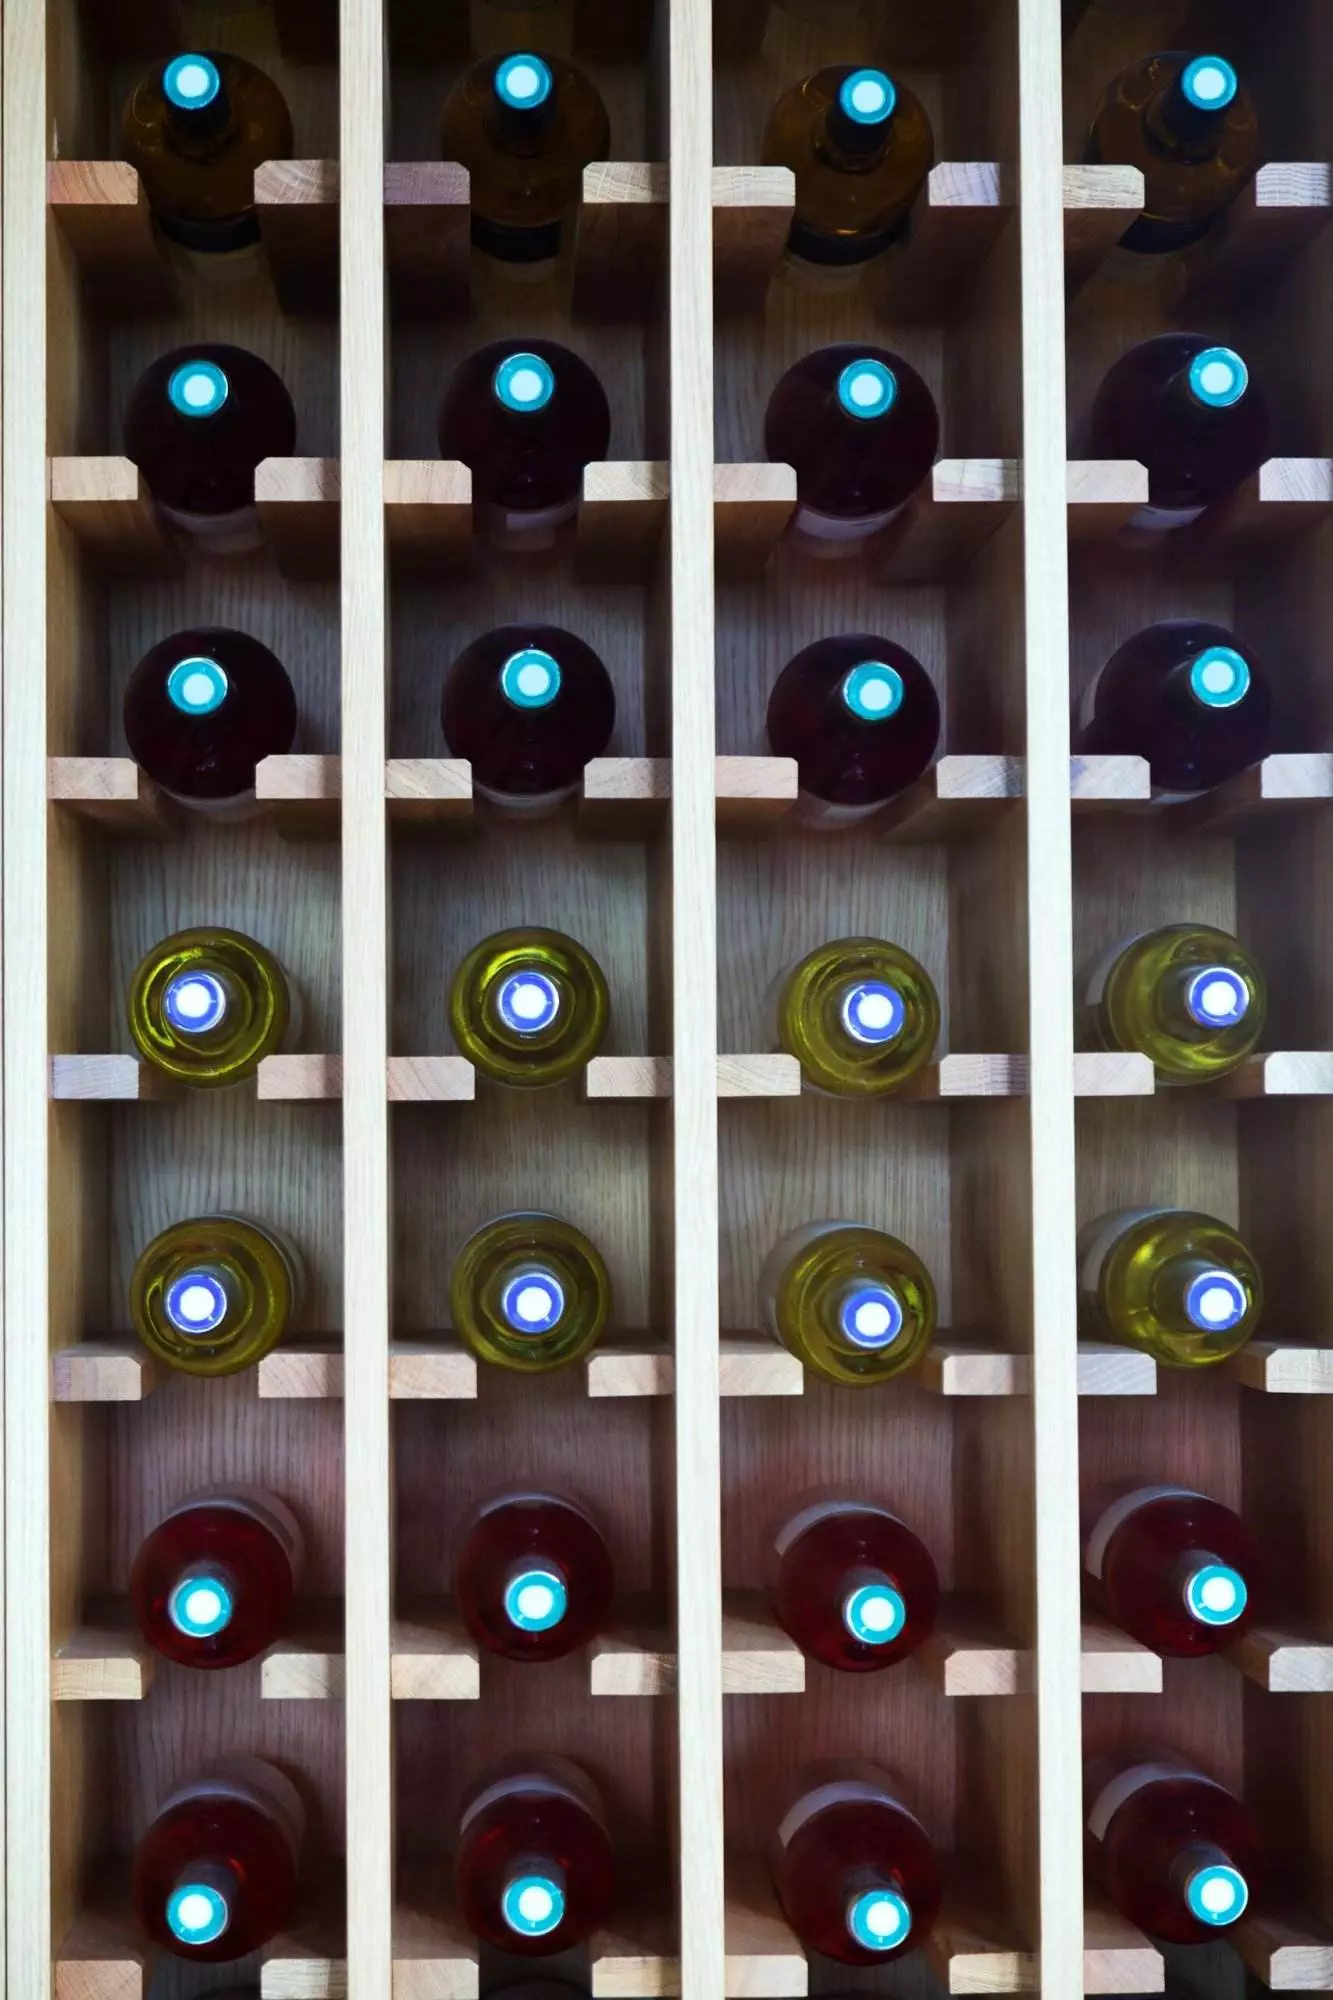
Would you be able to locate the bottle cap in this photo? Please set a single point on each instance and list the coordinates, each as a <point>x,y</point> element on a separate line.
<point>1218,378</point>
<point>535,1600</point>
<point>197,686</point>
<point>867,97</point>
<point>873,691</point>
<point>533,1905</point>
<point>200,1605</point>
<point>1215,1594</point>
<point>194,1003</point>
<point>196,1303</point>
<point>1216,1301</point>
<point>867,389</point>
<point>533,1301</point>
<point>1219,677</point>
<point>871,1317</point>
<point>1217,1894</point>
<point>523,82</point>
<point>527,1002</point>
<point>197,1913</point>
<point>1216,997</point>
<point>874,1613</point>
<point>530,678</point>
<point>872,1012</point>
<point>191,83</point>
<point>1209,83</point>
<point>525,383</point>
<point>879,1919</point>
<point>198,389</point>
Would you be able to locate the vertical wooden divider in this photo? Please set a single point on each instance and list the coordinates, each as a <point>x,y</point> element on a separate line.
<point>367,1233</point>
<point>694,991</point>
<point>1050,958</point>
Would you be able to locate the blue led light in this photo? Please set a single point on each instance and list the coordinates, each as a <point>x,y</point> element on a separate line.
<point>873,691</point>
<point>1216,1301</point>
<point>879,1919</point>
<point>524,383</point>
<point>523,82</point>
<point>1217,1895</point>
<point>871,1317</point>
<point>533,1905</point>
<point>1218,378</point>
<point>201,1605</point>
<point>1215,1594</point>
<point>867,97</point>
<point>867,389</point>
<point>196,1303</point>
<point>533,1302</point>
<point>531,678</point>
<point>535,1600</point>
<point>198,389</point>
<point>875,1613</point>
<point>1209,83</point>
<point>527,1002</point>
<point>197,1913</point>
<point>1219,677</point>
<point>872,1012</point>
<point>191,82</point>
<point>1216,997</point>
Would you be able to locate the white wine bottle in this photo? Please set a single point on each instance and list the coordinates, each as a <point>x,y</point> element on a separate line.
<point>852,1303</point>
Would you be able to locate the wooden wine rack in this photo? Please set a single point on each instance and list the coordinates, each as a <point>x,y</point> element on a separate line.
<point>689,1148</point>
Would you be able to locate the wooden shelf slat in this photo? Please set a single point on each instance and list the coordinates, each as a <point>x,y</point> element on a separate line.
<point>1107,1369</point>
<point>752,211</point>
<point>956,799</point>
<point>1113,1663</point>
<point>432,1368</point>
<point>752,504</point>
<point>1102,494</point>
<point>1287,781</point>
<point>964,1656</point>
<point>1113,1073</point>
<point>1291,1952</point>
<point>103,1956</point>
<point>1117,1957</point>
<point>434,1955</point>
<point>429,790</point>
<point>635,1657</point>
<point>1281,1073</point>
<point>623,1366</point>
<point>624,797</point>
<point>635,1955</point>
<point>764,1959</point>
<point>297,204</point>
<point>971,1950</point>
<point>103,1371</point>
<point>964,502</point>
<point>428,514</point>
<point>955,223</point>
<point>307,1662</point>
<point>309,1960</point>
<point>1099,784</point>
<point>299,501</point>
<point>952,1366</point>
<point>620,240</point>
<point>302,1370</point>
<point>112,793</point>
<point>1285,498</point>
<point>431,1080</point>
<point>1283,1368</point>
<point>1100,203</point>
<point>101,210</point>
<point>753,791</point>
<point>749,1364</point>
<point>621,519</point>
<point>106,1658</point>
<point>1284,1659</point>
<point>427,228</point>
<point>965,1075</point>
<point>758,1657</point>
<point>433,1656</point>
<point>106,504</point>
<point>1274,216</point>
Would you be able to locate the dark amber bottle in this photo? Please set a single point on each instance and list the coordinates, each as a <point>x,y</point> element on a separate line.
<point>1185,695</point>
<point>525,416</point>
<point>196,128</point>
<point>199,421</point>
<point>861,717</point>
<point>529,705</point>
<point>860,146</point>
<point>201,710</point>
<point>525,126</point>
<point>215,1874</point>
<point>860,429</point>
<point>1190,412</point>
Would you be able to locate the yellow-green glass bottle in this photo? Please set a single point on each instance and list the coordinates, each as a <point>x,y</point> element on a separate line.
<point>852,1303</point>
<point>1176,1284</point>
<point>206,1006</point>
<point>860,147</point>
<point>529,1007</point>
<point>529,1292</point>
<point>212,1295</point>
<point>1188,996</point>
<point>860,1015</point>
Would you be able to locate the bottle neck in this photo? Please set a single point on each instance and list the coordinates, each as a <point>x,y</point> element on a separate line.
<point>873,1608</point>
<point>536,1596</point>
<point>1195,1001</point>
<point>853,148</point>
<point>199,1907</point>
<point>878,1915</point>
<point>202,1601</point>
<point>1210,1885</point>
<point>201,1300</point>
<point>1191,1295</point>
<point>1213,1592</point>
<point>532,1901</point>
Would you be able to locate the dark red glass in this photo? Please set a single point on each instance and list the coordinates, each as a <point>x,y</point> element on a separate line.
<point>526,448</point>
<point>529,705</point>
<point>203,707</point>
<point>852,1585</point>
<point>534,1829</point>
<point>1152,699</point>
<point>851,750</point>
<point>1151,1554</point>
<point>849,1858</point>
<point>1165,1835</point>
<point>204,463</point>
<point>1193,452</point>
<point>534,1578</point>
<point>230,1842</point>
<point>853,472</point>
<point>212,1585</point>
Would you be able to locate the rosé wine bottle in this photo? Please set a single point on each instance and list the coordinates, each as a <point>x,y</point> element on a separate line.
<point>534,1578</point>
<point>852,1585</point>
<point>1174,1851</point>
<point>212,1584</point>
<point>855,1871</point>
<point>535,1865</point>
<point>1177,1571</point>
<point>215,1874</point>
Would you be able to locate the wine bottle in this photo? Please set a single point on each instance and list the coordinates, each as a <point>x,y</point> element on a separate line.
<point>855,1871</point>
<point>215,1874</point>
<point>206,1006</point>
<point>861,718</point>
<point>529,1007</point>
<point>529,1292</point>
<point>1189,996</point>
<point>1189,411</point>
<point>535,1866</point>
<point>860,429</point>
<point>198,422</point>
<point>525,126</point>
<point>202,708</point>
<point>1173,1850</point>
<point>529,705</point>
<point>196,128</point>
<point>526,417</point>
<point>211,1296</point>
<point>860,1015</point>
<point>860,147</point>
<point>534,1579</point>
<point>1178,1285</point>
<point>1179,1572</point>
<point>852,1303</point>
<point>852,1585</point>
<point>212,1584</point>
<point>1188,123</point>
<point>1186,696</point>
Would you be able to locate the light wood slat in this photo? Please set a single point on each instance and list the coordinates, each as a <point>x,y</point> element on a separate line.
<point>752,211</point>
<point>955,223</point>
<point>308,1961</point>
<point>969,1952</point>
<point>102,1371</point>
<point>641,1368</point>
<point>776,1075</point>
<point>431,1080</point>
<point>1102,494</point>
<point>757,1655</point>
<point>102,1956</point>
<point>1283,1368</point>
<point>434,1956</point>
<point>112,792</point>
<point>110,1079</point>
<point>965,502</point>
<point>636,1955</point>
<point>965,1656</point>
<point>428,788</point>
<point>621,519</point>
<point>107,505</point>
<point>1113,1073</point>
<point>960,1075</point>
<point>764,1960</point>
<point>1098,783</point>
<point>754,791</point>
<point>1287,781</point>
<point>1106,1369</point>
<point>1285,1659</point>
<point>1099,205</point>
<point>433,1657</point>
<point>752,505</point>
<point>432,1370</point>
<point>620,246</point>
<point>298,501</point>
<point>953,1367</point>
<point>1281,1073</point>
<point>1292,1953</point>
<point>1271,221</point>
<point>301,1079</point>
<point>750,1364</point>
<point>426,228</point>
<point>428,514</point>
<point>1285,498</point>
<point>307,1662</point>
<point>1113,1663</point>
<point>1117,1957</point>
<point>101,210</point>
<point>635,1657</point>
<point>956,798</point>
<point>105,1659</point>
<point>300,1370</point>
<point>297,204</point>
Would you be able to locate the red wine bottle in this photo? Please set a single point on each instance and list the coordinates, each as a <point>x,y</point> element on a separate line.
<point>535,1866</point>
<point>860,429</point>
<point>1188,697</point>
<point>1177,1571</point>
<point>861,717</point>
<point>199,421</point>
<point>215,1874</point>
<point>534,1578</point>
<point>529,705</point>
<point>855,1871</point>
<point>525,416</point>
<point>852,1585</point>
<point>1189,411</point>
<point>201,710</point>
<point>212,1585</point>
<point>1174,1851</point>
